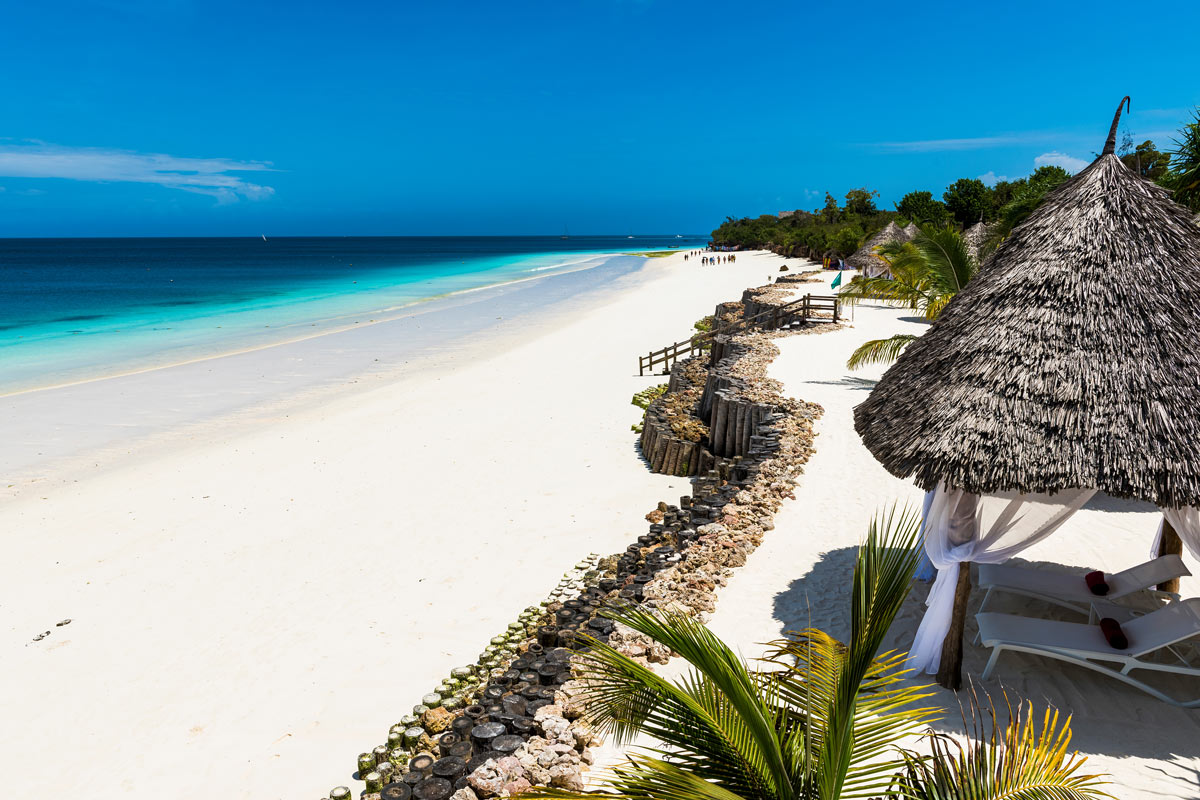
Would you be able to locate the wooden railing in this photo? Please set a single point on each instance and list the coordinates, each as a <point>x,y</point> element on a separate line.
<point>810,308</point>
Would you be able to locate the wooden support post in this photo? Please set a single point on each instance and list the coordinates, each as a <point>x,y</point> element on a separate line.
<point>716,430</point>
<point>950,670</point>
<point>1171,545</point>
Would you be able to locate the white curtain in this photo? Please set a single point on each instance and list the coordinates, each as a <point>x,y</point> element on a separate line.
<point>960,526</point>
<point>1186,522</point>
<point>926,571</point>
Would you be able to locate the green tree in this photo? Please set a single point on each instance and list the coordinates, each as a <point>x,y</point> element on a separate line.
<point>848,239</point>
<point>1025,199</point>
<point>1003,192</point>
<point>921,207</point>
<point>861,201</point>
<point>830,213</point>
<point>968,200</point>
<point>1048,175</point>
<point>1147,161</point>
<point>1184,176</point>
<point>823,721</point>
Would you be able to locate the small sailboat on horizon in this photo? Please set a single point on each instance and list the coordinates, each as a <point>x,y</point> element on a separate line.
<point>264,236</point>
<point>564,233</point>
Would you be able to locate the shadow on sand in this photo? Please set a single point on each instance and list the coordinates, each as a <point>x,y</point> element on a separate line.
<point>1109,718</point>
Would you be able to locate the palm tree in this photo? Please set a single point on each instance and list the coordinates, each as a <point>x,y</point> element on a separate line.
<point>926,273</point>
<point>1184,176</point>
<point>1014,760</point>
<point>821,720</point>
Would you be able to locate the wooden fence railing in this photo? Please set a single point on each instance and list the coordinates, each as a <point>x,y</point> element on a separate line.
<point>810,308</point>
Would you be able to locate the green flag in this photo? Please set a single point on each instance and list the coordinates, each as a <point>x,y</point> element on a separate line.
<point>836,281</point>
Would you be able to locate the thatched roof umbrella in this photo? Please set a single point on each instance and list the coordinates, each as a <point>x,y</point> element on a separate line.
<point>911,230</point>
<point>864,258</point>
<point>1069,361</point>
<point>974,237</point>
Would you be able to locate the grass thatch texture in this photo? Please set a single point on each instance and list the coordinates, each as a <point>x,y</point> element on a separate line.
<point>1069,361</point>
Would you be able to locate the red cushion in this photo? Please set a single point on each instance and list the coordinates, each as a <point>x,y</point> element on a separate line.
<point>1095,582</point>
<point>1113,633</point>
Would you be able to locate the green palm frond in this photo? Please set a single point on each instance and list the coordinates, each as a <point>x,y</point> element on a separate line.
<point>1013,761</point>
<point>906,285</point>
<point>1184,176</point>
<point>888,290</point>
<point>850,704</point>
<point>624,698</point>
<point>880,351</point>
<point>948,263</point>
<point>882,579</point>
<point>716,720</point>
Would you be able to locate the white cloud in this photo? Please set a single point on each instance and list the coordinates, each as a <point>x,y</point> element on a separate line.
<point>209,176</point>
<point>991,178</point>
<point>971,143</point>
<point>1057,159</point>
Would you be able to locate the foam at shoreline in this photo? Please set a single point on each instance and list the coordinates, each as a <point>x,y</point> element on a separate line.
<point>43,427</point>
<point>41,355</point>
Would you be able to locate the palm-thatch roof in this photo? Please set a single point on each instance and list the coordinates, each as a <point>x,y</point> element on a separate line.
<point>1069,361</point>
<point>864,258</point>
<point>911,230</point>
<point>974,237</point>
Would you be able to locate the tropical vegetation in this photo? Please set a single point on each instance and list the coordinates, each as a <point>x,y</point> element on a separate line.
<point>923,274</point>
<point>1183,178</point>
<point>816,718</point>
<point>839,230</point>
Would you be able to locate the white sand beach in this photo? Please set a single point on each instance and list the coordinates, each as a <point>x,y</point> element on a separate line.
<point>257,604</point>
<point>254,604</point>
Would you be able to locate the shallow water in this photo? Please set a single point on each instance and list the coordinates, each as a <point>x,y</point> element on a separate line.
<point>76,309</point>
<point>51,429</point>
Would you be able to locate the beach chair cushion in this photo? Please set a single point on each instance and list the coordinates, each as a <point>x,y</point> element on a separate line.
<point>1073,588</point>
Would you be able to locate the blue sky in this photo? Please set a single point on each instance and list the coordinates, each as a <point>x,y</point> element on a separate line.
<point>201,117</point>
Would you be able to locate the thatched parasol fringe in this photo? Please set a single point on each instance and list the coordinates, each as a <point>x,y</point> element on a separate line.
<point>1110,145</point>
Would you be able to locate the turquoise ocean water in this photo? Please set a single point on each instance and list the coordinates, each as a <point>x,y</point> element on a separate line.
<point>74,309</point>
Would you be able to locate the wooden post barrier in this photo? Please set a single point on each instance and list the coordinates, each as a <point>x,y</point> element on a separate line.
<point>1170,545</point>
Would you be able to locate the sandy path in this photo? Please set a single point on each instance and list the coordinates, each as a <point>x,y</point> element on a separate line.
<point>251,611</point>
<point>800,574</point>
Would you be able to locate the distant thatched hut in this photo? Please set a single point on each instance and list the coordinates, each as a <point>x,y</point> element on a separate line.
<point>1069,363</point>
<point>974,238</point>
<point>866,261</point>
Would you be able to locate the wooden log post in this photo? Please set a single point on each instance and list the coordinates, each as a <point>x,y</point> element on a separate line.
<point>950,670</point>
<point>1171,545</point>
<point>738,427</point>
<point>716,430</point>
<point>751,425</point>
<point>660,452</point>
<point>669,461</point>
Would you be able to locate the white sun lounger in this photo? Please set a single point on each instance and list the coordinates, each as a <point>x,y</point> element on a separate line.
<point>1086,646</point>
<point>1069,589</point>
